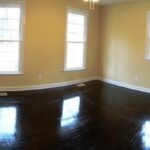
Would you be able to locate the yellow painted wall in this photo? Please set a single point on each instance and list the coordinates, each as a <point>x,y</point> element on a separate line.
<point>122,43</point>
<point>44,39</point>
<point>117,32</point>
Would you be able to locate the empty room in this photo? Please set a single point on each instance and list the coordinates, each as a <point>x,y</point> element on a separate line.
<point>74,74</point>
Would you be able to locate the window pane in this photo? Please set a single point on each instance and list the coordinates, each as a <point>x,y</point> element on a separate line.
<point>75,27</point>
<point>9,56</point>
<point>11,13</point>
<point>8,24</point>
<point>9,31</point>
<point>75,53</point>
<point>74,37</point>
<point>3,13</point>
<point>9,35</point>
<point>75,18</point>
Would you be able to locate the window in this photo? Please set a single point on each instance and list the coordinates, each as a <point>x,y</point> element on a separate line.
<point>147,53</point>
<point>76,37</point>
<point>10,37</point>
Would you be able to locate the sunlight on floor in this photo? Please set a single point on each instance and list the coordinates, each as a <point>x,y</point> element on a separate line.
<point>71,108</point>
<point>7,123</point>
<point>146,135</point>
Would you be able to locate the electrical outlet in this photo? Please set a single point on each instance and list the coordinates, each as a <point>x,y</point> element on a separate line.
<point>136,78</point>
<point>40,76</point>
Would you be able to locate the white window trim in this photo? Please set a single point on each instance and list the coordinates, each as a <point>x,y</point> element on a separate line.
<point>147,47</point>
<point>85,13</point>
<point>16,3</point>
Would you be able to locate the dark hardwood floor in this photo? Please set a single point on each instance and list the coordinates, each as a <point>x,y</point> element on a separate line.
<point>98,116</point>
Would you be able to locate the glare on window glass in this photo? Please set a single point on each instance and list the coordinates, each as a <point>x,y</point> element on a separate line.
<point>75,55</point>
<point>75,28</point>
<point>9,39</point>
<point>75,41</point>
<point>8,12</point>
<point>9,56</point>
<point>9,23</point>
<point>75,18</point>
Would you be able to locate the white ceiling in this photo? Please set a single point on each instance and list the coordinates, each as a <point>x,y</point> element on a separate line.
<point>104,2</point>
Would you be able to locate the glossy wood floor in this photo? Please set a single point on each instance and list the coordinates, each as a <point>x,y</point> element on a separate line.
<point>98,116</point>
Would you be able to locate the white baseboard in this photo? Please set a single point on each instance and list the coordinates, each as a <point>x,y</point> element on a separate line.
<point>129,86</point>
<point>46,86</point>
<point>62,84</point>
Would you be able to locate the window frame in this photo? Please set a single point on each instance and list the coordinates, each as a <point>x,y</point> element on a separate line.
<point>147,45</point>
<point>85,13</point>
<point>19,4</point>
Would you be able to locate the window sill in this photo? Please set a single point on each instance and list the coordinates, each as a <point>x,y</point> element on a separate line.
<point>75,69</point>
<point>147,59</point>
<point>10,73</point>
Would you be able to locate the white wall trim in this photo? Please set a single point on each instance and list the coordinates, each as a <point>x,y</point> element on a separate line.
<point>125,85</point>
<point>66,83</point>
<point>46,86</point>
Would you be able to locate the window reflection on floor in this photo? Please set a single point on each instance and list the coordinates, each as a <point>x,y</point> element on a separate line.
<point>70,110</point>
<point>146,135</point>
<point>7,123</point>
